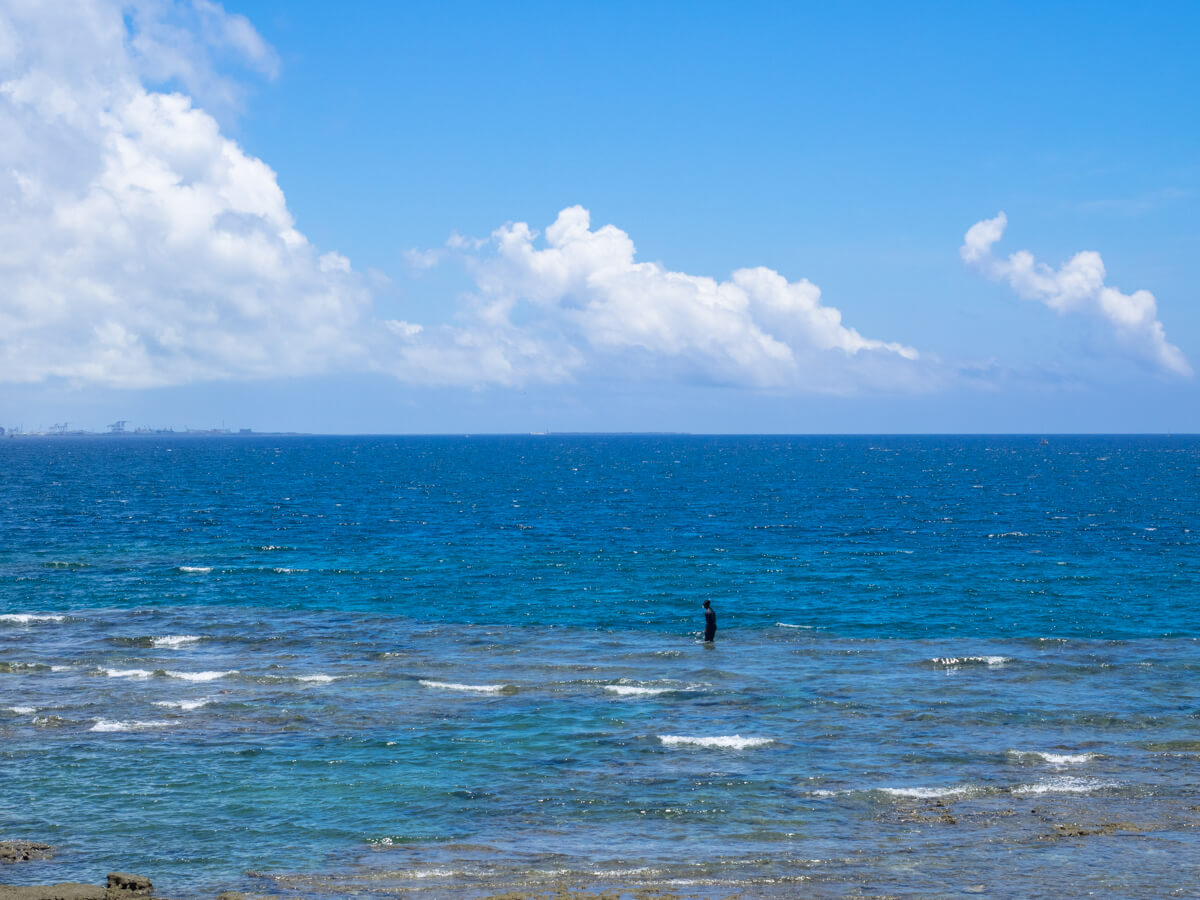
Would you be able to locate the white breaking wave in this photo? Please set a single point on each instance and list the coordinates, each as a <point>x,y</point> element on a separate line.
<point>30,618</point>
<point>172,641</point>
<point>196,570</point>
<point>790,625</point>
<point>722,742</point>
<point>956,661</point>
<point>185,676</point>
<point>630,690</point>
<point>183,704</point>
<point>60,668</point>
<point>625,873</point>
<point>127,673</point>
<point>415,873</point>
<point>469,688</point>
<point>1056,759</point>
<point>927,793</point>
<point>318,679</point>
<point>23,710</point>
<point>201,676</point>
<point>116,725</point>
<point>1064,784</point>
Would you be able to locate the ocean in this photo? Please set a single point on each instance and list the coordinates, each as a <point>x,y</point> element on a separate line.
<point>323,666</point>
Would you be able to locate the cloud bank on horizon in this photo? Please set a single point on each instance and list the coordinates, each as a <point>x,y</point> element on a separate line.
<point>141,247</point>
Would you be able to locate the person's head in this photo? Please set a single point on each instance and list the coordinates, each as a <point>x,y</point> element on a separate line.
<point>707,604</point>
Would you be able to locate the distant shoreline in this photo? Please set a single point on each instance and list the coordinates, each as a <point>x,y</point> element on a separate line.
<point>166,432</point>
<point>249,433</point>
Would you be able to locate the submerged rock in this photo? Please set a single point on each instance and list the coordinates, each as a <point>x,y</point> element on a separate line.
<point>22,851</point>
<point>1104,828</point>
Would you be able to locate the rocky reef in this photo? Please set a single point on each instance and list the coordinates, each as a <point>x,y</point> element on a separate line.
<point>22,851</point>
<point>120,886</point>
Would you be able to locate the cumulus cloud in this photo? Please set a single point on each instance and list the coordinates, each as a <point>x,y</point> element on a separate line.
<point>138,245</point>
<point>1077,287</point>
<point>549,307</point>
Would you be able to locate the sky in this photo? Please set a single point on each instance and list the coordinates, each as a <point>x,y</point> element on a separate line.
<point>713,218</point>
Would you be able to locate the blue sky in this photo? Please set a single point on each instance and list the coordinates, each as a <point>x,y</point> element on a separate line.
<point>294,216</point>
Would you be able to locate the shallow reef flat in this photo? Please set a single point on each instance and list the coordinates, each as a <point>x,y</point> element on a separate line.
<point>451,667</point>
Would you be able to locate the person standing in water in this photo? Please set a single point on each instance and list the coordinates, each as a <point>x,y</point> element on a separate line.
<point>710,622</point>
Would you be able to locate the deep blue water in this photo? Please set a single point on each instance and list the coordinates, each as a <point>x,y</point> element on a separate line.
<point>389,664</point>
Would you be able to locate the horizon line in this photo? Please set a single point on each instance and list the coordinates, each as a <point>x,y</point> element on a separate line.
<point>249,433</point>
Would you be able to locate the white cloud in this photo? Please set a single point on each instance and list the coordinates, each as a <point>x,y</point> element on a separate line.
<point>181,42</point>
<point>138,245</point>
<point>1077,287</point>
<point>423,259</point>
<point>580,301</point>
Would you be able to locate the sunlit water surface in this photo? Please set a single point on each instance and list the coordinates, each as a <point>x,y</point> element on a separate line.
<point>353,665</point>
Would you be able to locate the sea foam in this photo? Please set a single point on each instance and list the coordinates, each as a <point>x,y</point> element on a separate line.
<point>22,710</point>
<point>173,641</point>
<point>183,676</point>
<point>183,704</point>
<point>1064,784</point>
<point>117,725</point>
<point>720,742</point>
<point>1055,759</point>
<point>195,570</point>
<point>926,793</point>
<point>126,673</point>
<point>467,688</point>
<point>630,690</point>
<point>200,676</point>
<point>30,618</point>
<point>51,722</point>
<point>954,662</point>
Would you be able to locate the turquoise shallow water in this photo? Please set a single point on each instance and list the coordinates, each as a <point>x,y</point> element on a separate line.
<point>423,664</point>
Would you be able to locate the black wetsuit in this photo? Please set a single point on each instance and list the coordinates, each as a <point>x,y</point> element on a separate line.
<point>710,623</point>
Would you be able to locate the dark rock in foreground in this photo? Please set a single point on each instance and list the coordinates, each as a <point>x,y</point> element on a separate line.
<point>121,886</point>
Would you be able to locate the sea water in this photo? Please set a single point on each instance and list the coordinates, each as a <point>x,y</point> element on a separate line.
<point>315,666</point>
